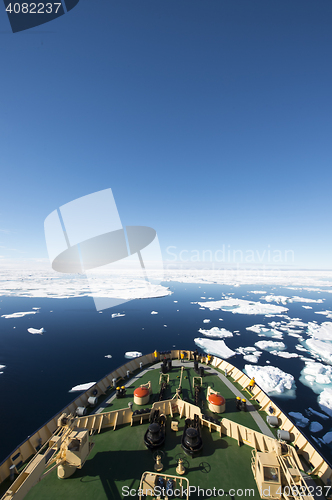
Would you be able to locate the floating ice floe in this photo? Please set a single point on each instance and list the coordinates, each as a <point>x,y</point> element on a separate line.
<point>309,289</point>
<point>316,376</point>
<point>273,324</point>
<point>275,348</point>
<point>291,327</point>
<point>279,299</point>
<point>296,322</point>
<point>257,328</point>
<point>308,301</point>
<point>262,331</point>
<point>36,308</point>
<point>268,345</point>
<point>323,349</point>
<point>282,299</point>
<point>300,420</point>
<point>308,307</point>
<point>315,427</point>
<point>240,306</point>
<point>328,314</point>
<point>18,314</point>
<point>117,315</point>
<point>285,354</point>
<point>82,387</point>
<point>154,312</point>
<point>320,343</point>
<point>250,354</point>
<point>327,438</point>
<point>322,415</point>
<point>216,332</point>
<point>257,291</point>
<point>216,347</point>
<point>321,332</point>
<point>325,401</point>
<point>300,347</point>
<point>108,356</point>
<point>175,301</point>
<point>206,320</point>
<point>272,380</point>
<point>36,331</point>
<point>133,354</point>
<point>251,358</point>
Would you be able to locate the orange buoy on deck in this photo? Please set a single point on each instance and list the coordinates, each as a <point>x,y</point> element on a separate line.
<point>141,395</point>
<point>216,403</point>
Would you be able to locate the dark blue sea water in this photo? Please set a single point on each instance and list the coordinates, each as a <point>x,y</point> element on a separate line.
<point>41,369</point>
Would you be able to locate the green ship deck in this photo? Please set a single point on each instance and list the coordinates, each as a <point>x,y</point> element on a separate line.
<point>234,444</point>
<point>119,457</point>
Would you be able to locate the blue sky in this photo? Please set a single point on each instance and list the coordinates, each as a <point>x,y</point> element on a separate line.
<point>210,120</point>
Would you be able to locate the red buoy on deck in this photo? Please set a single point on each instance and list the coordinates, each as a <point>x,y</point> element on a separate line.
<point>141,392</point>
<point>217,403</point>
<point>141,395</point>
<point>216,399</point>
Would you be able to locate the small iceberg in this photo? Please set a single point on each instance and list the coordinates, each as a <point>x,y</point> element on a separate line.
<point>327,438</point>
<point>328,314</point>
<point>269,345</point>
<point>154,312</point>
<point>315,427</point>
<point>325,401</point>
<point>250,354</point>
<point>240,306</point>
<point>262,331</point>
<point>117,315</point>
<point>316,375</point>
<point>285,354</point>
<point>251,358</point>
<point>216,332</point>
<point>82,387</point>
<point>35,331</point>
<point>300,420</point>
<point>216,347</point>
<point>322,415</point>
<point>133,354</point>
<point>18,314</point>
<point>272,380</point>
<point>108,356</point>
